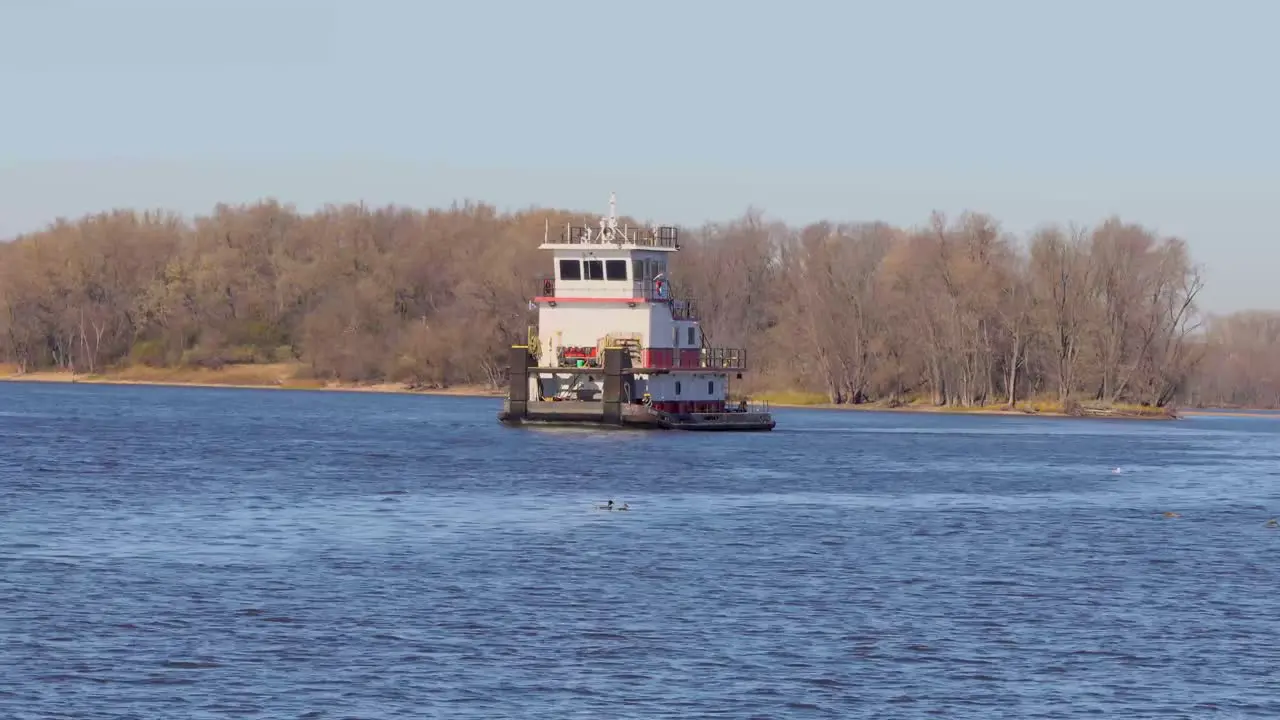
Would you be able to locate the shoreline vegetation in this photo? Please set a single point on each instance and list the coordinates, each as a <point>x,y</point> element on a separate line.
<point>952,314</point>
<point>286,376</point>
<point>275,376</point>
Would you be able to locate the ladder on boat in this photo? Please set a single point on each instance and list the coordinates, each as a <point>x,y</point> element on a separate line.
<point>630,344</point>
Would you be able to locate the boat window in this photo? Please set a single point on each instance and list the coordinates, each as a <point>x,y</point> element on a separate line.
<point>595,269</point>
<point>615,269</point>
<point>637,270</point>
<point>570,270</point>
<point>711,387</point>
<point>691,340</point>
<point>677,387</point>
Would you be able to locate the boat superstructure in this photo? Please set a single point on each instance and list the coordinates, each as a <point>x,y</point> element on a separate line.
<point>614,347</point>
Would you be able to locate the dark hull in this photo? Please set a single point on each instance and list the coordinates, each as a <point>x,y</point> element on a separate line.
<point>757,426</point>
<point>591,414</point>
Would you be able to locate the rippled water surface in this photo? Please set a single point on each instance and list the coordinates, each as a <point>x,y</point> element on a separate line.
<point>189,553</point>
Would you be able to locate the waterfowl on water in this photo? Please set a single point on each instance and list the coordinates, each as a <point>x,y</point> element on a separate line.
<point>1272,523</point>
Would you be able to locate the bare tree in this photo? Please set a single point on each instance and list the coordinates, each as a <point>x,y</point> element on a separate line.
<point>1061,271</point>
<point>954,311</point>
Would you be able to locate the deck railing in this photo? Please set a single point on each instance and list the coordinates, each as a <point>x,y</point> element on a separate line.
<point>683,310</point>
<point>694,358</point>
<point>660,237</point>
<point>752,406</point>
<point>724,358</point>
<point>730,408</point>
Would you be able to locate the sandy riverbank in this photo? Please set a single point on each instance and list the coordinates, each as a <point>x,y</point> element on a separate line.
<point>1037,407</point>
<point>258,377</point>
<point>1039,410</point>
<point>1087,413</point>
<point>1231,413</point>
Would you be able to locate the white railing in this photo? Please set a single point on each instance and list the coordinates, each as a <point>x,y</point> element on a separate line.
<point>661,237</point>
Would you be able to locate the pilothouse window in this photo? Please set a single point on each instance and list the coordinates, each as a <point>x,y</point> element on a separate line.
<point>645,270</point>
<point>615,269</point>
<point>570,270</point>
<point>595,269</point>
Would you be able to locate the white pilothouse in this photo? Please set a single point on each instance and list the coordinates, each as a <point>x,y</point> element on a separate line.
<point>613,346</point>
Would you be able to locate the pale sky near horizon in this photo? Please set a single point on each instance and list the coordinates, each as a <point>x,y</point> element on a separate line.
<point>1164,112</point>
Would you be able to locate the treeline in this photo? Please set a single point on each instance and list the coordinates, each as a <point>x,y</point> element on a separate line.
<point>957,312</point>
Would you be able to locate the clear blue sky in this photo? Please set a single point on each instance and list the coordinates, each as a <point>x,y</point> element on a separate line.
<point>1165,112</point>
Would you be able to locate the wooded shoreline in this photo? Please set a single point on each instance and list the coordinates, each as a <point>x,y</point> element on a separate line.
<point>261,379</point>
<point>948,314</point>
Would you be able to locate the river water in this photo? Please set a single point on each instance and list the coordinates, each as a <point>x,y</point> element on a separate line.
<point>194,553</point>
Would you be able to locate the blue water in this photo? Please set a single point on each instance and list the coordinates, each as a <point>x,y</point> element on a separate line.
<point>190,553</point>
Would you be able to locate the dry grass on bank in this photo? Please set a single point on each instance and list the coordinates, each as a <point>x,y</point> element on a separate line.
<point>1038,406</point>
<point>790,398</point>
<point>286,376</point>
<point>264,375</point>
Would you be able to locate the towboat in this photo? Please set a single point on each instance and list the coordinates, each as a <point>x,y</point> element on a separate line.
<point>614,348</point>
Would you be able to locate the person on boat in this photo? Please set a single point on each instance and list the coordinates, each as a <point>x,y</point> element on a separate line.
<point>606,506</point>
<point>742,405</point>
<point>625,506</point>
